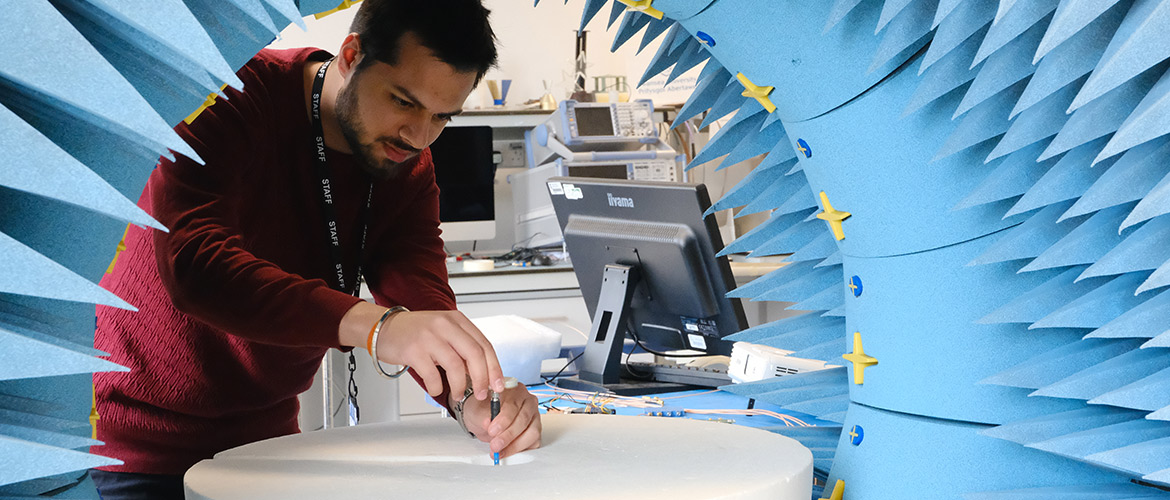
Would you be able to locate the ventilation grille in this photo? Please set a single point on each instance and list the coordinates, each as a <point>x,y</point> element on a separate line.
<point>639,230</point>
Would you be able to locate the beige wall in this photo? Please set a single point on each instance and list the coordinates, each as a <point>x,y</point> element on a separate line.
<point>536,45</point>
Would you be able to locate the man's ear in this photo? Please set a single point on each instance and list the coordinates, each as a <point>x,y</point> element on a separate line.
<point>350,55</point>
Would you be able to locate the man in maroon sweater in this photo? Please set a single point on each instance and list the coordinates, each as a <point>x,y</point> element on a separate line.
<point>317,171</point>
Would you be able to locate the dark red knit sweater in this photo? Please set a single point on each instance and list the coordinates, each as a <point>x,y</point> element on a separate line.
<point>235,305</point>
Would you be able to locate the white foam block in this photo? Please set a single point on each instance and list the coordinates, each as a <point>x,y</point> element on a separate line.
<point>582,456</point>
<point>520,344</point>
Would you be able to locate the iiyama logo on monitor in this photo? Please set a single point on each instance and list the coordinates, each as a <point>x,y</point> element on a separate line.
<point>619,201</point>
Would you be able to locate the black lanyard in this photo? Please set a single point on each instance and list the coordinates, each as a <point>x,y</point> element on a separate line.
<point>327,193</point>
<point>331,223</point>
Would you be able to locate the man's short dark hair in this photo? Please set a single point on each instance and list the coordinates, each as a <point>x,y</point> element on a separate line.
<point>456,30</point>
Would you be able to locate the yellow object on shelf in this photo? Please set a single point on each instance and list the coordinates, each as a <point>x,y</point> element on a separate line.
<point>605,97</point>
<point>548,102</point>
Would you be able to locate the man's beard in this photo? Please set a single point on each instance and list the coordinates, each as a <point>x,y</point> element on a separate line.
<point>352,130</point>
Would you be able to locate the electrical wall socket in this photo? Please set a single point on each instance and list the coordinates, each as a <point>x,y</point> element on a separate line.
<point>512,153</point>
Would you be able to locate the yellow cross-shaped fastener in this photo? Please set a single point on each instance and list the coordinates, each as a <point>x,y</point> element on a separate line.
<point>833,217</point>
<point>853,433</point>
<point>643,6</point>
<point>93,413</point>
<point>759,93</point>
<point>206,104</point>
<point>849,284</point>
<point>838,491</point>
<point>860,360</point>
<point>118,250</point>
<point>345,4</point>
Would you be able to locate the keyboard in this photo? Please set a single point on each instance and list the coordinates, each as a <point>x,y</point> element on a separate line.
<point>682,374</point>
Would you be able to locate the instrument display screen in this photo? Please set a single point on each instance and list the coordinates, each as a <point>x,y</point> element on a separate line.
<point>594,121</point>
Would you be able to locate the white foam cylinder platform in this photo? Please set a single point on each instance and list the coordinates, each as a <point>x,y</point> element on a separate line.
<point>583,456</point>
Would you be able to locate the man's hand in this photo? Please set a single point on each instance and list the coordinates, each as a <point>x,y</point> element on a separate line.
<point>517,428</point>
<point>427,340</point>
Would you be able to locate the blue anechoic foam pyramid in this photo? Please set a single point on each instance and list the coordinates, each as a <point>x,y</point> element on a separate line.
<point>85,123</point>
<point>159,47</point>
<point>1000,194</point>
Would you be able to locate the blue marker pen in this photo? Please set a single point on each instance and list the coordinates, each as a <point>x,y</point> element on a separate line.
<point>495,412</point>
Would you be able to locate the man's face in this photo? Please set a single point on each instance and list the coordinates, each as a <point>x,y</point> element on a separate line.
<point>389,113</point>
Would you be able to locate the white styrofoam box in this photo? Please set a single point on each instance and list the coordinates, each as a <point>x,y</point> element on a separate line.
<point>521,344</point>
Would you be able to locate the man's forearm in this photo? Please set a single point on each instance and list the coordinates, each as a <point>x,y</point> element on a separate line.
<point>355,326</point>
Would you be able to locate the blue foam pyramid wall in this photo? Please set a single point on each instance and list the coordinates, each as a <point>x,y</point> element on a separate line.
<point>84,124</point>
<point>996,173</point>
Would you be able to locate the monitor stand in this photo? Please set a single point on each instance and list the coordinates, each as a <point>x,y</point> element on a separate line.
<point>600,365</point>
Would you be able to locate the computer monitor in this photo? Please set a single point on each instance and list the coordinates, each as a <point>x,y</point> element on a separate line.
<point>465,171</point>
<point>644,256</point>
<point>536,223</point>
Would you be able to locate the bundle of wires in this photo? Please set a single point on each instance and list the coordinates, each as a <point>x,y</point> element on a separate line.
<point>597,400</point>
<point>521,254</point>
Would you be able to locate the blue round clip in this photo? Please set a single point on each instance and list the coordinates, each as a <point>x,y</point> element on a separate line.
<point>855,285</point>
<point>856,435</point>
<point>705,39</point>
<point>804,148</point>
<point>541,133</point>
